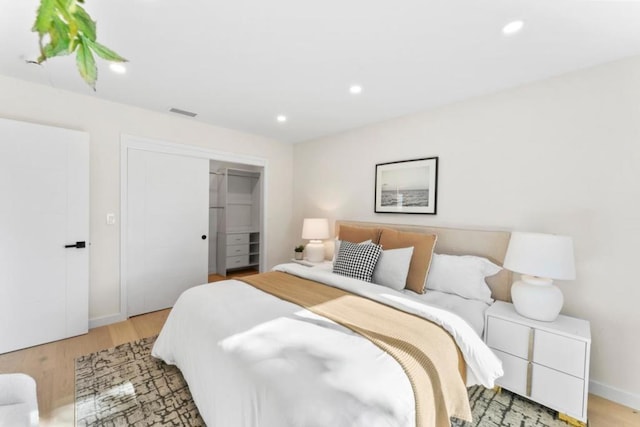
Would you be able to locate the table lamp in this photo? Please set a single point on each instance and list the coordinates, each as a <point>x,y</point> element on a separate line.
<point>315,229</point>
<point>540,258</point>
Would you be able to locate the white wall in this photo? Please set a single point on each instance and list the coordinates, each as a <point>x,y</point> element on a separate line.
<point>559,156</point>
<point>105,122</point>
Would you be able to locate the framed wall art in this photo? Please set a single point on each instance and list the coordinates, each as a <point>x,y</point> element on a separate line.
<point>408,186</point>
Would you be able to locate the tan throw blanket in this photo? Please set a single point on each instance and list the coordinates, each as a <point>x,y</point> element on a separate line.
<point>426,352</point>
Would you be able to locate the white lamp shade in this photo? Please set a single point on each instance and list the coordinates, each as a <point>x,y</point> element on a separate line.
<point>315,228</point>
<point>542,255</point>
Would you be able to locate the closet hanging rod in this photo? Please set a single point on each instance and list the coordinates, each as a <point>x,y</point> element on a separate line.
<point>244,176</point>
<point>233,174</point>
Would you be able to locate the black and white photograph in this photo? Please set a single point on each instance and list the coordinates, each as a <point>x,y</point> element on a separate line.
<point>408,186</point>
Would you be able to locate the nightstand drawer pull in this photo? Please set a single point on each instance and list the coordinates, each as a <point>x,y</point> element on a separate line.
<point>529,375</point>
<point>532,338</point>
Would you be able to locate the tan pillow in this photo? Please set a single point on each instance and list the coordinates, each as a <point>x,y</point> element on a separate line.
<point>358,234</point>
<point>423,245</point>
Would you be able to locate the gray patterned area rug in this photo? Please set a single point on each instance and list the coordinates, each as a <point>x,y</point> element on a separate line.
<point>125,386</point>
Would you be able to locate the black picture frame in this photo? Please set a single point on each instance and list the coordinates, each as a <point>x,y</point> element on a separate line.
<point>407,186</point>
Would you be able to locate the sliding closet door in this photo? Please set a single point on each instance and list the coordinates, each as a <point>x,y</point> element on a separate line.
<point>167,228</point>
<point>44,199</point>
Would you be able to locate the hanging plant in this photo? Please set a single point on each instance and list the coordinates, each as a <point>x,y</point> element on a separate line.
<point>64,27</point>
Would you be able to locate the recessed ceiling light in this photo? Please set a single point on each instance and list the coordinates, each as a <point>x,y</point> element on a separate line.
<point>355,89</point>
<point>118,67</point>
<point>512,27</point>
<point>281,118</point>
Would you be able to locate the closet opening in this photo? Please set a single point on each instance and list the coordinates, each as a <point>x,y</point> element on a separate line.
<point>235,218</point>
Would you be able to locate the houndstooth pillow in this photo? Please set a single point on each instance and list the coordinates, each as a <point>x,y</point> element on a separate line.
<point>357,260</point>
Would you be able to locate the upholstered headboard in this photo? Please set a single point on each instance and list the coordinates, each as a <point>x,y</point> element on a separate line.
<point>457,241</point>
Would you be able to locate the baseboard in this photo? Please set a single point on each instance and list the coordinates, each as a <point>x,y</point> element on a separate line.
<point>614,394</point>
<point>106,320</point>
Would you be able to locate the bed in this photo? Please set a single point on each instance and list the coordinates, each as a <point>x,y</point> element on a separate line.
<point>286,348</point>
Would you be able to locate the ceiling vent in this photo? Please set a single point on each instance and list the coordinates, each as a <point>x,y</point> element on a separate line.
<point>183,112</point>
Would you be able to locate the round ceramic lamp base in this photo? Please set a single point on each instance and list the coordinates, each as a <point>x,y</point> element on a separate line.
<point>537,298</point>
<point>315,251</point>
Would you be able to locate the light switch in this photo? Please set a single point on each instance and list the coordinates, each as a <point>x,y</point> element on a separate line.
<point>111,219</point>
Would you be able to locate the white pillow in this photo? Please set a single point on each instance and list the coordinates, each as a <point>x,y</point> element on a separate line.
<point>462,275</point>
<point>336,247</point>
<point>392,268</point>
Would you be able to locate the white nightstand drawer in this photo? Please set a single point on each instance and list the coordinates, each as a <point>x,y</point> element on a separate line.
<point>237,239</point>
<point>515,373</point>
<point>562,392</point>
<point>560,353</point>
<point>235,250</point>
<point>237,261</point>
<point>510,337</point>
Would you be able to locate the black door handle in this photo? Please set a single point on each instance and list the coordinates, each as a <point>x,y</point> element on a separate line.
<point>78,245</point>
<point>204,237</point>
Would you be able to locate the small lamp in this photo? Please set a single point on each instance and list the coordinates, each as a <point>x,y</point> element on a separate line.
<point>540,258</point>
<point>315,229</point>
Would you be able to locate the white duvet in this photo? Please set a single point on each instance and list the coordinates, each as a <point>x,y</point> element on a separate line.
<point>251,359</point>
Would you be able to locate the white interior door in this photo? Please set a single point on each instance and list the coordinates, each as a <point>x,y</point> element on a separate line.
<point>167,218</point>
<point>44,193</point>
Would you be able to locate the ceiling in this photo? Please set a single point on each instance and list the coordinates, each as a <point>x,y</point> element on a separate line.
<point>240,63</point>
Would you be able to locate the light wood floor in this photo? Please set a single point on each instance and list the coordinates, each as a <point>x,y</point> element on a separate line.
<point>52,366</point>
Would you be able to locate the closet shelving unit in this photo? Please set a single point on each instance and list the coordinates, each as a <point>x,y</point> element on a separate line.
<point>239,202</point>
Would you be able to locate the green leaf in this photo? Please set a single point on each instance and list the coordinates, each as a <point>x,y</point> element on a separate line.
<point>59,42</point>
<point>104,52</point>
<point>44,16</point>
<point>59,39</point>
<point>64,27</point>
<point>60,48</point>
<point>86,63</point>
<point>51,51</point>
<point>85,24</point>
<point>65,8</point>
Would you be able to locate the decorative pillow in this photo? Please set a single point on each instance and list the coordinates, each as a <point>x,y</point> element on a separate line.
<point>357,261</point>
<point>354,234</point>
<point>423,245</point>
<point>462,275</point>
<point>336,247</point>
<point>392,268</point>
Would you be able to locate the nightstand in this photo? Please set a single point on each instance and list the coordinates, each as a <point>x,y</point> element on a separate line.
<point>547,362</point>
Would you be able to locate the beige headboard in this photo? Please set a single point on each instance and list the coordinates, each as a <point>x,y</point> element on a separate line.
<point>457,241</point>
